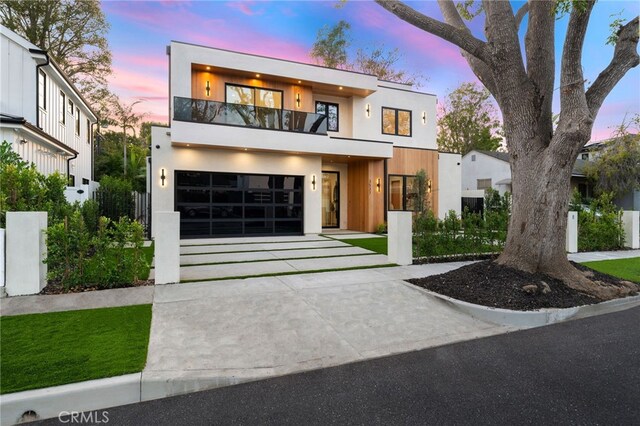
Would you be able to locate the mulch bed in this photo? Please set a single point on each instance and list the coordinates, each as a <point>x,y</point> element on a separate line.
<point>489,284</point>
<point>57,288</point>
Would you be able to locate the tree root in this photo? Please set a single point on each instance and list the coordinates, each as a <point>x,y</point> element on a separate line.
<point>583,282</point>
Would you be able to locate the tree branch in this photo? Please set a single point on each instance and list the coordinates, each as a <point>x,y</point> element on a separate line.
<point>479,68</point>
<point>521,14</point>
<point>571,76</point>
<point>625,57</point>
<point>462,39</point>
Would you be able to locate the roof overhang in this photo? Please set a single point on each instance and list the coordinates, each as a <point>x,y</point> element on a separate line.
<point>31,132</point>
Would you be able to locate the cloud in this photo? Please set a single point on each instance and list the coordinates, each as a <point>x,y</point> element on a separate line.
<point>245,7</point>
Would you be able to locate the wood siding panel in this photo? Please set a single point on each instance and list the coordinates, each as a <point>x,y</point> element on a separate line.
<point>366,205</point>
<point>407,161</point>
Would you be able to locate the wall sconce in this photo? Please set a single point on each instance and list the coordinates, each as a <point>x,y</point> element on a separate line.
<point>313,182</point>
<point>368,110</point>
<point>208,88</point>
<point>429,186</point>
<point>298,100</point>
<point>23,141</point>
<point>424,117</point>
<point>162,177</point>
<point>378,188</point>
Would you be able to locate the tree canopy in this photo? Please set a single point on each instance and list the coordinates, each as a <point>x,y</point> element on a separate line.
<point>467,121</point>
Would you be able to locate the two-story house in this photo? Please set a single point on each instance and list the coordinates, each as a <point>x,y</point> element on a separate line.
<point>42,114</point>
<point>263,146</point>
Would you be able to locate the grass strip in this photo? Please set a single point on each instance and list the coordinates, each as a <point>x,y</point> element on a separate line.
<point>57,348</point>
<point>251,242</point>
<point>378,244</point>
<point>275,260</point>
<point>255,251</point>
<point>627,269</point>
<point>276,274</point>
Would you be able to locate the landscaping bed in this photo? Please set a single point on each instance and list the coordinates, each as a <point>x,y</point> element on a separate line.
<point>489,284</point>
<point>42,350</point>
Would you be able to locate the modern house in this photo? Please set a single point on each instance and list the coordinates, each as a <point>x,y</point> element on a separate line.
<point>491,169</point>
<point>42,114</point>
<point>263,146</point>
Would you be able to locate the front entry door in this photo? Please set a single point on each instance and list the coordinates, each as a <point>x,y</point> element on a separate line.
<point>330,199</point>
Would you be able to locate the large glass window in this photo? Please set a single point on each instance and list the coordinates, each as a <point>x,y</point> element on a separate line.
<point>331,111</point>
<point>42,90</point>
<point>61,106</point>
<point>403,193</point>
<point>396,122</point>
<point>256,96</point>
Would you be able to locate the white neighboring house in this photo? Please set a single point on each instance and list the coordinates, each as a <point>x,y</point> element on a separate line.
<point>491,169</point>
<point>263,146</point>
<point>43,115</point>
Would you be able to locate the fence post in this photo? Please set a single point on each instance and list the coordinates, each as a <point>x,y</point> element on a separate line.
<point>399,237</point>
<point>26,251</point>
<point>167,247</point>
<point>572,232</point>
<point>631,226</point>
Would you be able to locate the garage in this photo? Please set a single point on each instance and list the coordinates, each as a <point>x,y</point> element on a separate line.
<point>215,204</point>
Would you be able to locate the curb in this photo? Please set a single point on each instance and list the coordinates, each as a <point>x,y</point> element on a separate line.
<point>75,397</point>
<point>530,319</point>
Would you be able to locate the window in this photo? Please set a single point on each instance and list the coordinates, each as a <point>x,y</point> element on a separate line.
<point>89,133</point>
<point>62,105</point>
<point>484,183</point>
<point>396,122</point>
<point>42,90</point>
<point>331,111</point>
<point>585,156</point>
<point>256,96</point>
<point>71,106</point>
<point>473,157</point>
<point>77,121</point>
<point>85,181</point>
<point>403,193</point>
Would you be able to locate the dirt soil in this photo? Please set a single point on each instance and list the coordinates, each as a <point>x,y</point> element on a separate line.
<point>56,288</point>
<point>489,284</point>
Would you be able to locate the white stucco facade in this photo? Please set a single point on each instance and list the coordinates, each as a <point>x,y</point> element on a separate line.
<point>449,174</point>
<point>477,166</point>
<point>44,117</point>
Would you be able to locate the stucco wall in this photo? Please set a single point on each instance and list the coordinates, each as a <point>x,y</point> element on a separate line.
<point>450,180</point>
<point>484,167</point>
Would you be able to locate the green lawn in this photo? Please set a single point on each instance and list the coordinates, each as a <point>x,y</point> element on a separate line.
<point>627,269</point>
<point>41,350</point>
<point>379,245</point>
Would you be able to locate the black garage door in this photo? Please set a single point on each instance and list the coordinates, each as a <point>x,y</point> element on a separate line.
<point>230,204</point>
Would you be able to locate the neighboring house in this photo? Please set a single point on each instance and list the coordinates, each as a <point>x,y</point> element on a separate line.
<point>42,114</point>
<point>263,146</point>
<point>628,201</point>
<point>491,169</point>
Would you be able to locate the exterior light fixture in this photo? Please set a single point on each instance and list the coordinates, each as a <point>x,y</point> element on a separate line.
<point>378,185</point>
<point>258,75</point>
<point>23,141</point>
<point>340,88</point>
<point>424,117</point>
<point>313,182</point>
<point>208,68</point>
<point>298,100</point>
<point>368,110</point>
<point>299,81</point>
<point>162,177</point>
<point>207,88</point>
<point>429,186</point>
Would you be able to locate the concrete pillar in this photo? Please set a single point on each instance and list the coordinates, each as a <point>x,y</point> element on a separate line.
<point>26,272</point>
<point>631,226</point>
<point>572,232</point>
<point>2,262</point>
<point>400,238</point>
<point>167,247</point>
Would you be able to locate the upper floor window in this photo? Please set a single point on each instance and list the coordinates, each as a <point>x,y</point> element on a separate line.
<point>42,90</point>
<point>62,107</point>
<point>331,111</point>
<point>396,121</point>
<point>71,106</point>
<point>256,96</point>
<point>484,183</point>
<point>89,133</point>
<point>77,121</point>
<point>585,156</point>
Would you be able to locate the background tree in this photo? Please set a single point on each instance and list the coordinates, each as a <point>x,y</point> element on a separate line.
<point>73,32</point>
<point>467,121</point>
<point>521,79</point>
<point>617,169</point>
<point>330,50</point>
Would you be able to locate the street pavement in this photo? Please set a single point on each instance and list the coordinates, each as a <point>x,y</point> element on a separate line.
<point>578,372</point>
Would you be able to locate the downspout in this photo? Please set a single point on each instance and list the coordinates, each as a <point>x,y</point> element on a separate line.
<point>40,52</point>
<point>69,168</point>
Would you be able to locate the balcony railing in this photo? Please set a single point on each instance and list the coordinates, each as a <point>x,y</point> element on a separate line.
<point>202,111</point>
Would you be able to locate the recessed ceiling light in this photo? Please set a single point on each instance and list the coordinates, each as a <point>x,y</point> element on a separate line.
<point>299,81</point>
<point>245,149</point>
<point>187,144</point>
<point>258,75</point>
<point>208,68</point>
<point>340,87</point>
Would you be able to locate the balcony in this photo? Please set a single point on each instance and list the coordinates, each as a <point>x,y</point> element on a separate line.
<point>212,112</point>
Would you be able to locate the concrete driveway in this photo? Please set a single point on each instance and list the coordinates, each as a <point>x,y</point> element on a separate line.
<point>212,334</point>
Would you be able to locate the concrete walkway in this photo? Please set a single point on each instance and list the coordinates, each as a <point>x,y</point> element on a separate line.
<point>206,335</point>
<point>603,255</point>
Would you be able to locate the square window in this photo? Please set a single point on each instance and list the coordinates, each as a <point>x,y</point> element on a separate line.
<point>331,110</point>
<point>396,122</point>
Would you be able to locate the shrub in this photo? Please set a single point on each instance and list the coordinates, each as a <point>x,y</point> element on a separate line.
<point>599,224</point>
<point>115,198</point>
<point>382,228</point>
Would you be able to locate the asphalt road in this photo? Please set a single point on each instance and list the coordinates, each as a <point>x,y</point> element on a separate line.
<point>580,372</point>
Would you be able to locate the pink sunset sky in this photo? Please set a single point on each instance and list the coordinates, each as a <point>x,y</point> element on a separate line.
<point>141,30</point>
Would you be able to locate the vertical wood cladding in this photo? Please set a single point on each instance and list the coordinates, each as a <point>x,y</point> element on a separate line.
<point>366,205</point>
<point>407,161</point>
